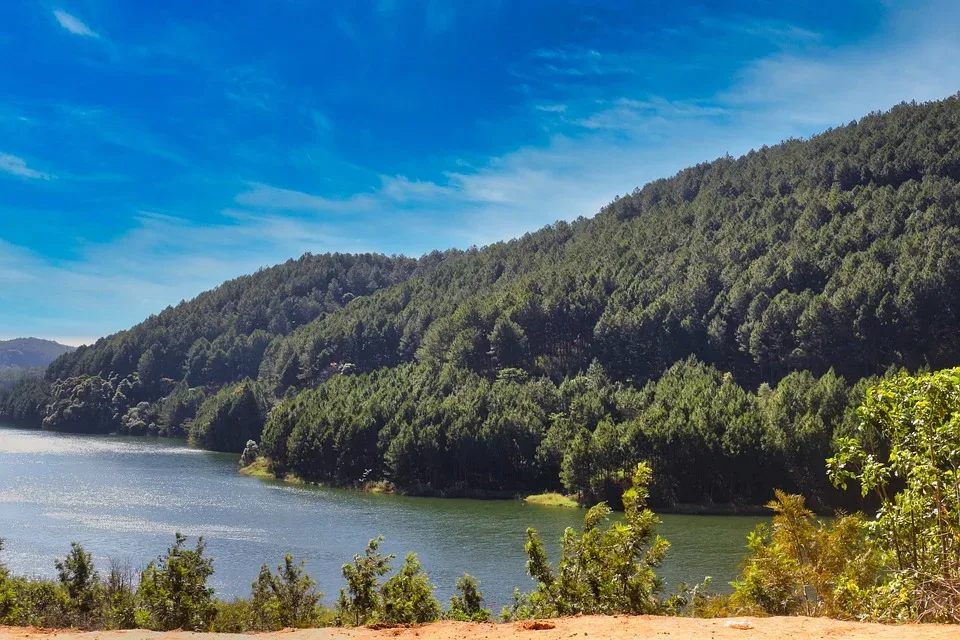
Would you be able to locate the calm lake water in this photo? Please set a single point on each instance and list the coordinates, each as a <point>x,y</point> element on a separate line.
<point>124,497</point>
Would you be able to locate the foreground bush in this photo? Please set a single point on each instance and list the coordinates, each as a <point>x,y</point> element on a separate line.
<point>601,570</point>
<point>173,591</point>
<point>903,564</point>
<point>802,567</point>
<point>467,604</point>
<point>288,598</point>
<point>916,476</point>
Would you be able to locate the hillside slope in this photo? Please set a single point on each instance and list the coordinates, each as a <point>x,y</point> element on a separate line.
<point>722,323</point>
<point>30,352</point>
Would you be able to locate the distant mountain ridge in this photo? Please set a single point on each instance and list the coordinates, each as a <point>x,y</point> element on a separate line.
<point>30,352</point>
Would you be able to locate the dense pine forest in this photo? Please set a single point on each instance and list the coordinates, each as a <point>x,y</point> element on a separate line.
<point>723,324</point>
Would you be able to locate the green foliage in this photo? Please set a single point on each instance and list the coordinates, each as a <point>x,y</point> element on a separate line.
<point>82,583</point>
<point>178,410</point>
<point>25,402</point>
<point>601,570</point>
<point>10,376</point>
<point>173,591</point>
<point>467,604</point>
<point>251,451</point>
<point>141,419</point>
<point>286,599</point>
<point>460,434</point>
<point>407,596</point>
<point>801,567</point>
<point>798,270</point>
<point>915,475</point>
<point>119,591</point>
<point>235,616</point>
<point>221,336</point>
<point>81,404</point>
<point>360,602</point>
<point>229,419</point>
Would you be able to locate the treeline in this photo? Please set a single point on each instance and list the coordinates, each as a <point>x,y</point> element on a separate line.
<point>459,433</point>
<point>836,254</point>
<point>903,564</point>
<point>9,376</point>
<point>221,335</point>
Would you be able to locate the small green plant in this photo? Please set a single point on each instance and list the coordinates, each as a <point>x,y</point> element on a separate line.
<point>601,570</point>
<point>359,602</point>
<point>467,604</point>
<point>800,566</point>
<point>79,578</point>
<point>173,591</point>
<point>120,595</point>
<point>407,596</point>
<point>235,616</point>
<point>288,598</point>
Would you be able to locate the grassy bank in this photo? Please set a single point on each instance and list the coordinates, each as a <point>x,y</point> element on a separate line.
<point>552,500</point>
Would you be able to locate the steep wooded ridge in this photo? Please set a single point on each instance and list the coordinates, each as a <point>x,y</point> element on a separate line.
<point>721,323</point>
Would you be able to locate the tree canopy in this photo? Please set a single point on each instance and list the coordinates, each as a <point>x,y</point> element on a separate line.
<point>728,316</point>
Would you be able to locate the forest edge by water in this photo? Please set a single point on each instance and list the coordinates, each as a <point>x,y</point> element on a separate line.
<point>723,324</point>
<point>903,564</point>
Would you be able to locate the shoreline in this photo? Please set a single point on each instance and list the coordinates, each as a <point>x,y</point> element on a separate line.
<point>260,468</point>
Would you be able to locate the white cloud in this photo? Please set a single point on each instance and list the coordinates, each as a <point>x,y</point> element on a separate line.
<point>73,24</point>
<point>18,166</point>
<point>161,260</point>
<point>402,189</point>
<point>596,150</point>
<point>264,196</point>
<point>818,87</point>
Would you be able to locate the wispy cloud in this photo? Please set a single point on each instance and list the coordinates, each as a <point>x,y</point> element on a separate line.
<point>73,24</point>
<point>577,62</point>
<point>403,190</point>
<point>160,260</point>
<point>17,166</point>
<point>271,198</point>
<point>775,31</point>
<point>830,86</point>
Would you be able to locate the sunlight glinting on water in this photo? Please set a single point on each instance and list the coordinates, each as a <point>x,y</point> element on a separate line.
<point>125,498</point>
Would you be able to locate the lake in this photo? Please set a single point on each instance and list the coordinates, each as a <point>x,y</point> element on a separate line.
<point>125,497</point>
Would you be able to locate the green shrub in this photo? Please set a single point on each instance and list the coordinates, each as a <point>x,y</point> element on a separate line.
<point>35,603</point>
<point>601,571</point>
<point>287,599</point>
<point>79,578</point>
<point>467,606</point>
<point>235,616</point>
<point>173,591</point>
<point>803,567</point>
<point>358,604</point>
<point>120,596</point>
<point>407,596</point>
<point>914,473</point>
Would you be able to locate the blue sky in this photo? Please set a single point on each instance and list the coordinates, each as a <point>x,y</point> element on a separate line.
<point>151,150</point>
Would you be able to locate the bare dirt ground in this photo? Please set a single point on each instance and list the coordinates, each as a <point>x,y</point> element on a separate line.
<point>582,628</point>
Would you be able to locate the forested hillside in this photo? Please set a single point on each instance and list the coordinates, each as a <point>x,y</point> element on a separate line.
<point>721,323</point>
<point>27,358</point>
<point>30,352</point>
